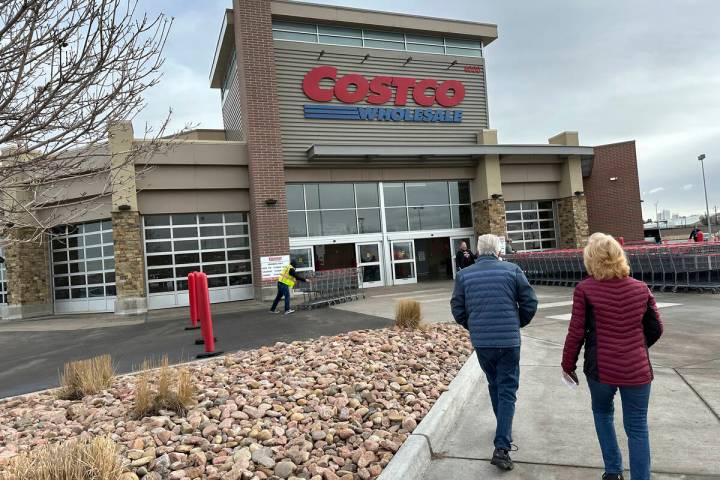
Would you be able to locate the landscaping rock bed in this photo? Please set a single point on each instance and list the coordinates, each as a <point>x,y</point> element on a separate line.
<point>332,408</point>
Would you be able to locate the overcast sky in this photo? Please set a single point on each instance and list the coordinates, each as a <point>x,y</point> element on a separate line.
<point>614,70</point>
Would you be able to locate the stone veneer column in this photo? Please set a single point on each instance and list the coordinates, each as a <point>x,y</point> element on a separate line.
<point>572,206</point>
<point>573,221</point>
<point>27,265</point>
<point>27,262</point>
<point>488,205</point>
<point>127,229</point>
<point>261,124</point>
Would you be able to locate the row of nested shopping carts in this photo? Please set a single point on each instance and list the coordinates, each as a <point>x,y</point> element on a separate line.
<point>670,267</point>
<point>329,287</point>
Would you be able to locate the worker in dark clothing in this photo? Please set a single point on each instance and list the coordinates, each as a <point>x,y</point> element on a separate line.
<point>464,257</point>
<point>286,281</point>
<point>693,234</point>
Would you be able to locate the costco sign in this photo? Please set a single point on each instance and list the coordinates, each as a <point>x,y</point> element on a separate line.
<point>322,84</point>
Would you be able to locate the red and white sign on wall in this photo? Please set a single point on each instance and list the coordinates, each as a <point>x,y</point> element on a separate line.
<point>323,84</point>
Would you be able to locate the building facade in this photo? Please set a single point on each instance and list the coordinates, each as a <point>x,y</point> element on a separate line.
<point>351,138</point>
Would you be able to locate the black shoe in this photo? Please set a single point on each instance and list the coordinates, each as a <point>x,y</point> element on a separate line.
<point>501,459</point>
<point>612,476</point>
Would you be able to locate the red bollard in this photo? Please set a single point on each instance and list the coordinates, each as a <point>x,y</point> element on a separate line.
<point>203,297</point>
<point>621,240</point>
<point>192,293</point>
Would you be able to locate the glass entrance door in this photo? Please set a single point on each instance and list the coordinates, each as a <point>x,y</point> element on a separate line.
<point>368,260</point>
<point>455,247</point>
<point>403,262</point>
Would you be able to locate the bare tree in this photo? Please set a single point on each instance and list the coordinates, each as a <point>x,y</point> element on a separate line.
<point>67,69</point>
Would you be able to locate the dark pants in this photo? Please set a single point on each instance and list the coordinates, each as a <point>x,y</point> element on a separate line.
<point>283,291</point>
<point>635,406</point>
<point>502,369</point>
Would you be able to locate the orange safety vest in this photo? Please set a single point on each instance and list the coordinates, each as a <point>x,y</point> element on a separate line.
<point>285,276</point>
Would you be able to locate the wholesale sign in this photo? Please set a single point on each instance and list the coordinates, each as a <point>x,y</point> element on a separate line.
<point>387,97</point>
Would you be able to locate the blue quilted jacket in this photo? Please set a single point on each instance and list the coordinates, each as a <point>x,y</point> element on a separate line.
<point>493,300</point>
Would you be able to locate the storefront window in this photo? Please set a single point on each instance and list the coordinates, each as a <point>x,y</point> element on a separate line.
<point>531,225</point>
<point>302,258</point>
<point>394,194</point>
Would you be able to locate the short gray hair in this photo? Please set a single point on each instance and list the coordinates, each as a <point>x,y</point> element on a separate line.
<point>488,245</point>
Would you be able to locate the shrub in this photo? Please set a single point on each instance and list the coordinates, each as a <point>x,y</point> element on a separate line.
<point>79,459</point>
<point>86,377</point>
<point>407,314</point>
<point>148,402</point>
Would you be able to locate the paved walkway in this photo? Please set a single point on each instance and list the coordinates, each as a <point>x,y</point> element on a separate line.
<point>32,353</point>
<point>554,427</point>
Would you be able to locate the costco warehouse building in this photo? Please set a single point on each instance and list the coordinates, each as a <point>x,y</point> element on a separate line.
<point>351,138</point>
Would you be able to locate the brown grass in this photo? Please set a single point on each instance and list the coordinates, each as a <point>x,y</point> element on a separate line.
<point>178,399</point>
<point>407,314</point>
<point>79,459</point>
<point>86,377</point>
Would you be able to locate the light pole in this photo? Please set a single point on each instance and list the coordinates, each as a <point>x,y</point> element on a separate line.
<point>707,208</point>
<point>657,217</point>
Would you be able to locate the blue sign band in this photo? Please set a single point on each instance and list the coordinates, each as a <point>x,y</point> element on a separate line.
<point>418,115</point>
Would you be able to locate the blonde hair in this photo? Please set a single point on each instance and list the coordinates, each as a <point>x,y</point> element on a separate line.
<point>604,258</point>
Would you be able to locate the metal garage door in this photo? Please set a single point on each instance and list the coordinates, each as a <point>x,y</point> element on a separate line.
<point>83,265</point>
<point>215,243</point>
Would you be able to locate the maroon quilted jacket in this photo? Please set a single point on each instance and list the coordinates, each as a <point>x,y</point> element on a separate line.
<point>618,321</point>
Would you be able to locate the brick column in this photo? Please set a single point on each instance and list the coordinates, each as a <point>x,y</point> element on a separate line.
<point>489,217</point>
<point>261,124</point>
<point>27,266</point>
<point>488,205</point>
<point>573,220</point>
<point>572,206</point>
<point>127,234</point>
<point>27,258</point>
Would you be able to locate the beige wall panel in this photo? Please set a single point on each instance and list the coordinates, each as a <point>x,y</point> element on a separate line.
<point>530,159</point>
<point>200,153</point>
<point>97,209</point>
<point>179,177</point>
<point>294,175</point>
<point>513,192</point>
<point>516,173</point>
<point>193,201</point>
<point>294,60</point>
<point>76,188</point>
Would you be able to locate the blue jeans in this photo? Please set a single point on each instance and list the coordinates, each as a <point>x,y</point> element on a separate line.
<point>635,406</point>
<point>283,291</point>
<point>502,369</point>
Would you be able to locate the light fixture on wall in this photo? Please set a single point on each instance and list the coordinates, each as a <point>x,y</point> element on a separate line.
<point>409,59</point>
<point>614,179</point>
<point>322,52</point>
<point>270,201</point>
<point>452,64</point>
<point>496,196</point>
<point>367,55</point>
<point>124,207</point>
<point>579,193</point>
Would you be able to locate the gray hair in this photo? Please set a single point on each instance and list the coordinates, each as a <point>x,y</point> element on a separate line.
<point>488,245</point>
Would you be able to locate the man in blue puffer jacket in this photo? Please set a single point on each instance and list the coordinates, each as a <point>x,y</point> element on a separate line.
<point>493,300</point>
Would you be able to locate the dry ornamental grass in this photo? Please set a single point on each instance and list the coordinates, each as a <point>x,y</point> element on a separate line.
<point>86,377</point>
<point>79,459</point>
<point>149,402</point>
<point>407,314</point>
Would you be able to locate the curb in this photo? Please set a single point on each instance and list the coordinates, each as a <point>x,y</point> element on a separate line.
<point>413,458</point>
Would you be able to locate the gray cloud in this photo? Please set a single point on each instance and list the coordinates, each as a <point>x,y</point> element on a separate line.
<point>613,70</point>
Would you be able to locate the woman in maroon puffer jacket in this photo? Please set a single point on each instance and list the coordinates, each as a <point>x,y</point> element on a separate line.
<point>616,318</point>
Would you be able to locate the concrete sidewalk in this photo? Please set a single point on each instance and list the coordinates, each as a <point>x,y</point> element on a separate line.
<point>553,425</point>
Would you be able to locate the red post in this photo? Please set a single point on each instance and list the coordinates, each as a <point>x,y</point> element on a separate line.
<point>621,240</point>
<point>192,294</point>
<point>203,304</point>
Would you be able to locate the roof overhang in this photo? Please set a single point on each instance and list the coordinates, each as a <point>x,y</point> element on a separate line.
<point>340,15</point>
<point>451,154</point>
<point>223,50</point>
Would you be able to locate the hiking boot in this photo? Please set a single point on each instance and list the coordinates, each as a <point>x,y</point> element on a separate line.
<point>501,459</point>
<point>612,476</point>
<point>288,312</point>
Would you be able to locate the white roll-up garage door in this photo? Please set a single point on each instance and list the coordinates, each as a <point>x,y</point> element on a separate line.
<point>83,264</point>
<point>217,244</point>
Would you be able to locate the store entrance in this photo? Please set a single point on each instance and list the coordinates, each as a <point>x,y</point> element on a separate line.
<point>433,259</point>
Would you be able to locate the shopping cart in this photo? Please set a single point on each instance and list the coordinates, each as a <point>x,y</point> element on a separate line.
<point>330,287</point>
